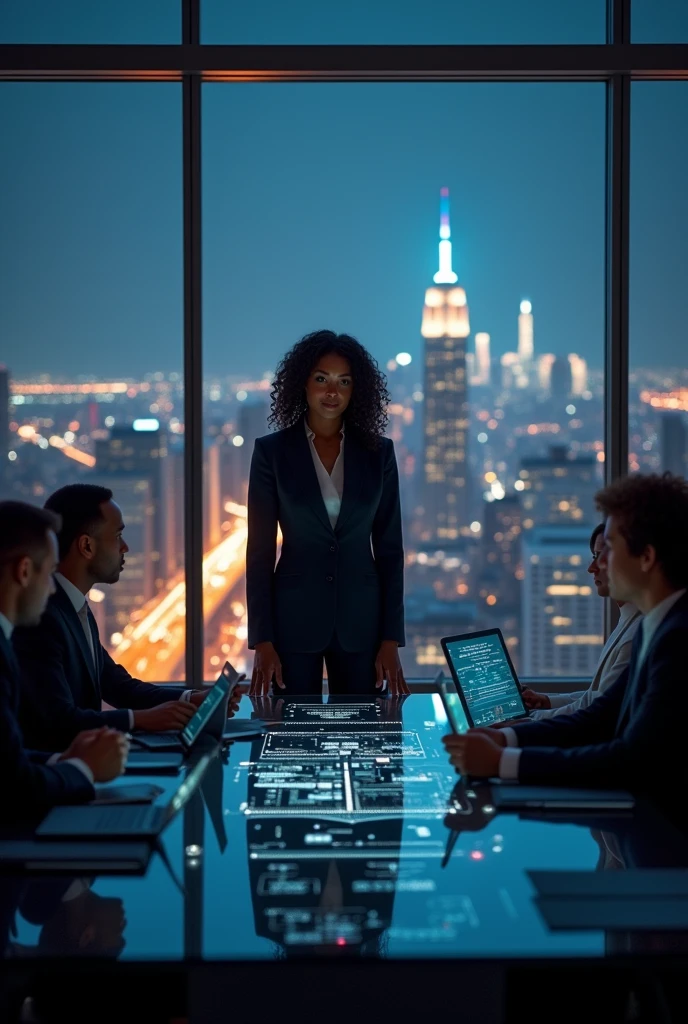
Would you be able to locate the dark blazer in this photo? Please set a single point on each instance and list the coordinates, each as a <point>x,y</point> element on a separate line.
<point>30,786</point>
<point>633,736</point>
<point>62,691</point>
<point>326,579</point>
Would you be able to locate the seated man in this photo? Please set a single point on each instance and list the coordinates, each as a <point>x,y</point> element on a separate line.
<point>616,653</point>
<point>633,736</point>
<point>33,783</point>
<point>66,671</point>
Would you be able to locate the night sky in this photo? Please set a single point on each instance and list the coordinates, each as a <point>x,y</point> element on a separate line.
<point>320,203</point>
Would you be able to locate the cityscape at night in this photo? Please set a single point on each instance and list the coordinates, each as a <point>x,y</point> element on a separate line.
<point>499,461</point>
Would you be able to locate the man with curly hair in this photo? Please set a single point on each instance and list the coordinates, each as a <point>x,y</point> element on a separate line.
<point>328,477</point>
<point>633,736</point>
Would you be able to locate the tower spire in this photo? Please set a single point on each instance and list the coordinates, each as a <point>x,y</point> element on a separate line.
<point>445,274</point>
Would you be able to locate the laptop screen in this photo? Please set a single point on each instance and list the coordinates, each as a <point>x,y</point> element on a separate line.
<point>197,723</point>
<point>484,677</point>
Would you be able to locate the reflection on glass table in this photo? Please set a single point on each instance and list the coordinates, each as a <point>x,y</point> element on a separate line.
<point>347,850</point>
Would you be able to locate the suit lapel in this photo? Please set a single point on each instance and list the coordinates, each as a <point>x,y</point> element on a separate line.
<point>66,609</point>
<point>305,477</point>
<point>634,673</point>
<point>354,466</point>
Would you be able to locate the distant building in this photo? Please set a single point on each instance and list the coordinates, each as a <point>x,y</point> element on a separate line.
<point>445,328</point>
<point>252,423</point>
<point>501,571</point>
<point>562,630</point>
<point>560,378</point>
<point>558,489</point>
<point>482,366</point>
<point>130,462</point>
<point>4,426</point>
<point>525,344</point>
<point>673,442</point>
<point>427,620</point>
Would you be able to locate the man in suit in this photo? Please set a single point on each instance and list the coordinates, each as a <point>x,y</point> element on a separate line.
<point>614,658</point>
<point>66,671</point>
<point>33,783</point>
<point>633,736</point>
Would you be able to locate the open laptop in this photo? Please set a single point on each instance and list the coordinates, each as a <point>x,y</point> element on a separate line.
<point>122,821</point>
<point>210,719</point>
<point>485,678</point>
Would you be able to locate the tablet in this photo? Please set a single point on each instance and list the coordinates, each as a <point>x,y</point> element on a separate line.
<point>485,677</point>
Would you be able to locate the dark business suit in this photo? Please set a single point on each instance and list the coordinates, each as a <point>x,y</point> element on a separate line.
<point>335,592</point>
<point>633,736</point>
<point>30,786</point>
<point>62,689</point>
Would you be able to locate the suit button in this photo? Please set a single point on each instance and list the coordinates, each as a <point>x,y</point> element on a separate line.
<point>329,579</point>
<point>333,548</point>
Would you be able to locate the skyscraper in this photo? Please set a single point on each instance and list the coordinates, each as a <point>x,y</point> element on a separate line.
<point>562,617</point>
<point>579,374</point>
<point>130,462</point>
<point>445,328</point>
<point>482,357</point>
<point>558,489</point>
<point>673,442</point>
<point>560,378</point>
<point>4,425</point>
<point>525,343</point>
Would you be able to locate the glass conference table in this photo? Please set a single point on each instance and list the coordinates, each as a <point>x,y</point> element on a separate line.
<point>343,833</point>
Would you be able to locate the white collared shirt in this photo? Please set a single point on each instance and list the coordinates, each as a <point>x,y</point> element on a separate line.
<point>6,626</point>
<point>331,484</point>
<point>511,755</point>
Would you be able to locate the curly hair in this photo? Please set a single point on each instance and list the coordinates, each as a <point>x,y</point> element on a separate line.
<point>652,511</point>
<point>366,415</point>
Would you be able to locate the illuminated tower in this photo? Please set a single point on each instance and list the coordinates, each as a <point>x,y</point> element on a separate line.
<point>579,374</point>
<point>482,357</point>
<point>525,333</point>
<point>445,328</point>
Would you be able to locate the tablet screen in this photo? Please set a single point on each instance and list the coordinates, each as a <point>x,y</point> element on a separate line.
<point>485,678</point>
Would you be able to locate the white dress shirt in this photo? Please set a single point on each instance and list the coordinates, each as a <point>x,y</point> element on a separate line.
<point>331,484</point>
<point>511,755</point>
<point>79,604</point>
<point>614,660</point>
<point>8,628</point>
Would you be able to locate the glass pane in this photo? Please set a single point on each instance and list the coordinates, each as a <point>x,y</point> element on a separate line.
<point>658,396</point>
<point>83,21</point>
<point>659,21</point>
<point>497,375</point>
<point>91,323</point>
<point>390,22</point>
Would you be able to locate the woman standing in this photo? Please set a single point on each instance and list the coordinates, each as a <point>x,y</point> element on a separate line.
<point>328,476</point>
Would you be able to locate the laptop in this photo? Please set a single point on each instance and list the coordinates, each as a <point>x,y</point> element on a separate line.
<point>209,719</point>
<point>131,821</point>
<point>485,677</point>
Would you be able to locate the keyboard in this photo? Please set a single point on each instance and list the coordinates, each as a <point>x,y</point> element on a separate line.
<point>129,818</point>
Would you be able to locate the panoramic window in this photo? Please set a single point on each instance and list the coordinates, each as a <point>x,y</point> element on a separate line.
<point>458,233</point>
<point>91,384</point>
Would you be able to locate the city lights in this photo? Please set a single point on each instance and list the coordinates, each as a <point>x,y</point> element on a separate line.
<point>404,358</point>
